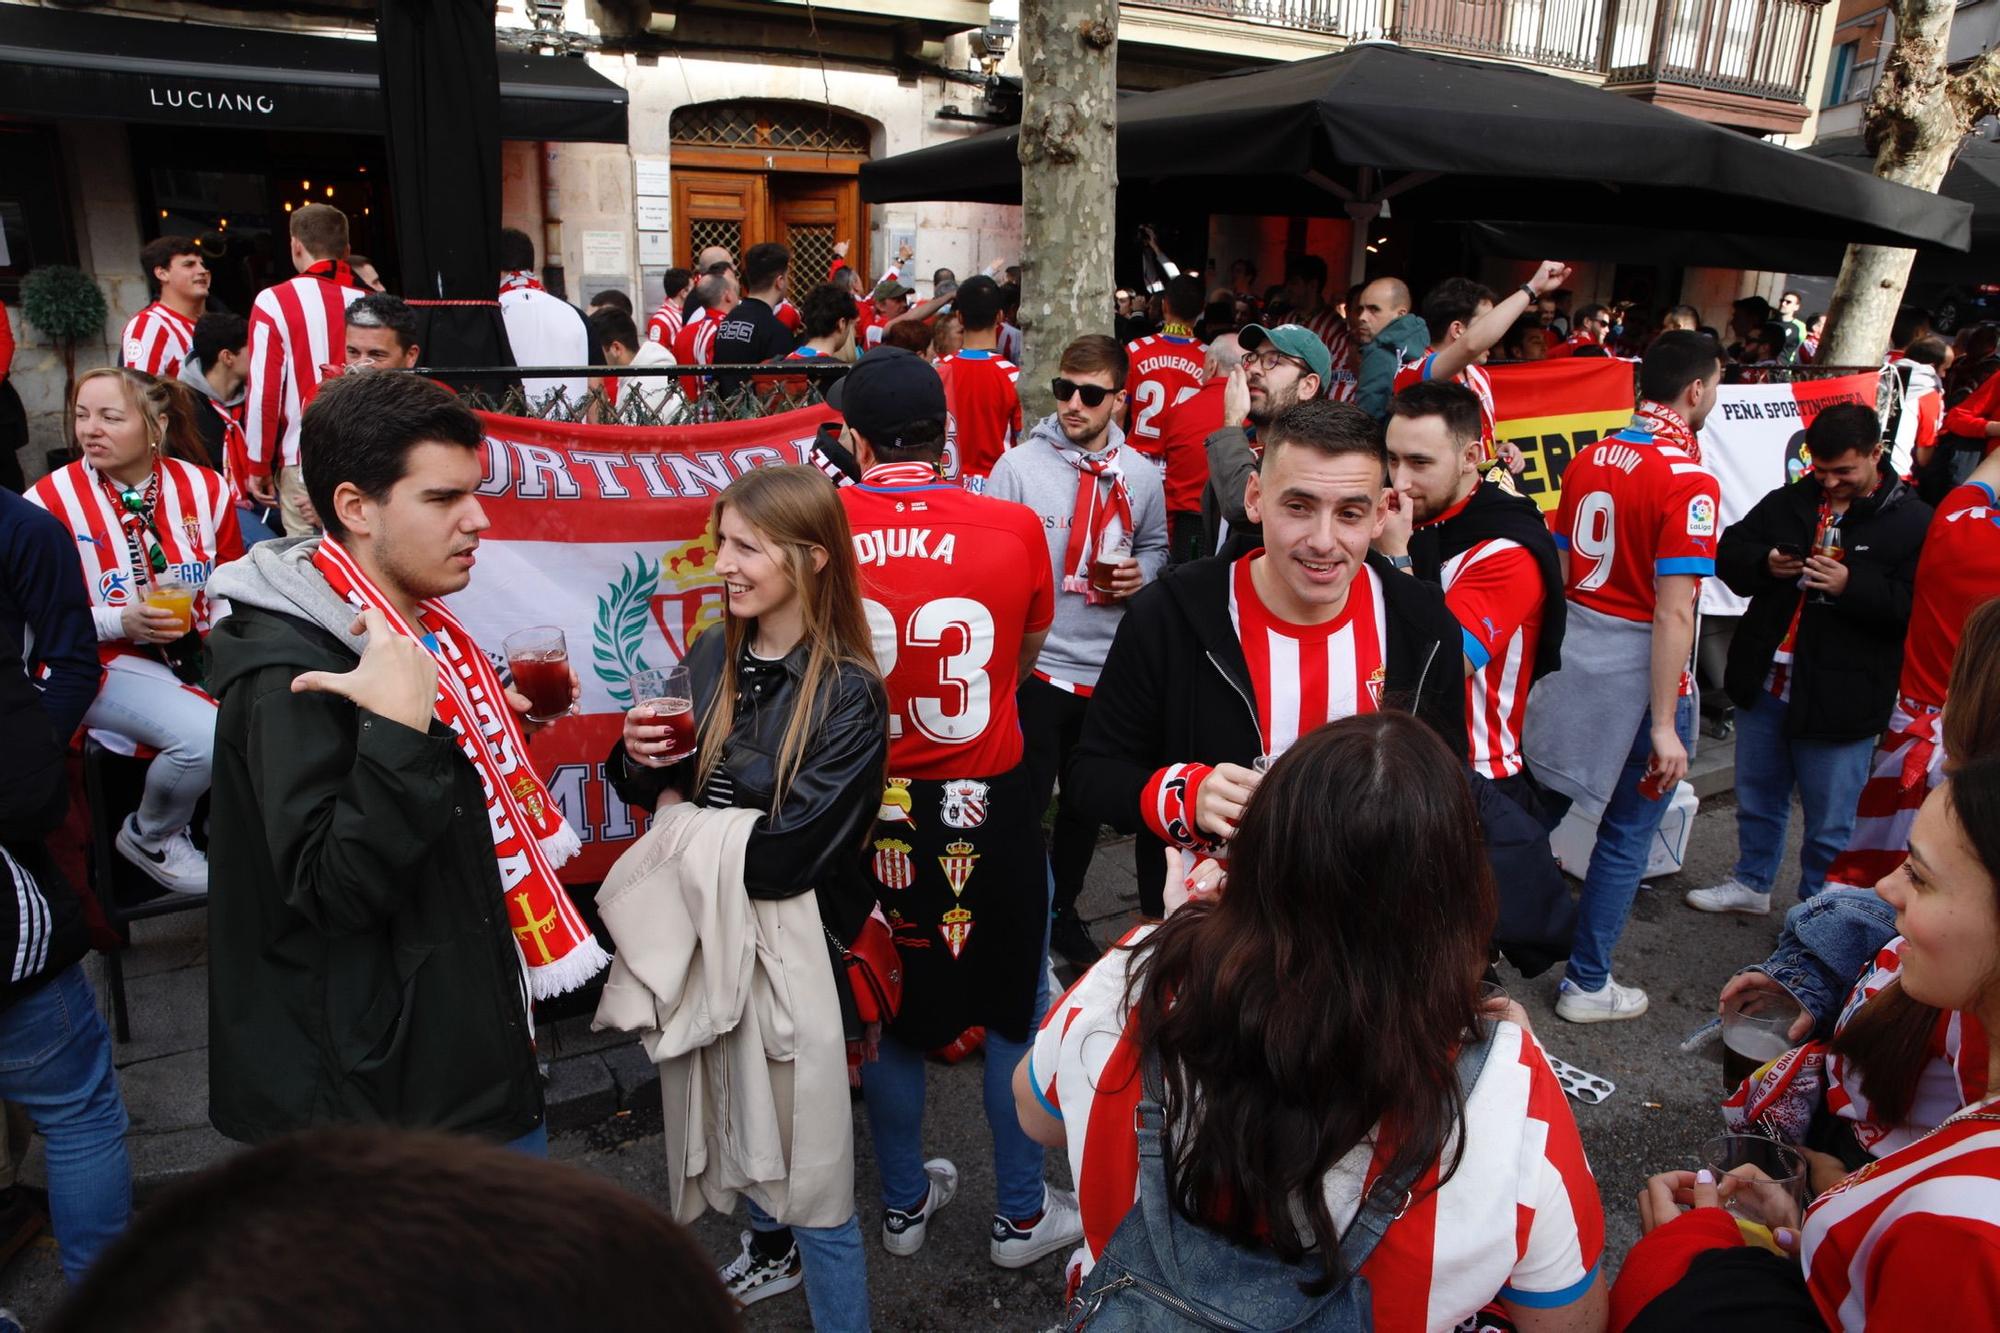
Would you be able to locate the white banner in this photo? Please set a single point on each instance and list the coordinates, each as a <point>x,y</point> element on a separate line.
<point>1754,442</point>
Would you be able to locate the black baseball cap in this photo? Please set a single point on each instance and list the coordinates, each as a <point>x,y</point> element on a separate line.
<point>888,390</point>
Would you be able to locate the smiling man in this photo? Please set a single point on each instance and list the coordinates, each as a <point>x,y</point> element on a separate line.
<point>1224,662</point>
<point>157,338</point>
<point>382,873</point>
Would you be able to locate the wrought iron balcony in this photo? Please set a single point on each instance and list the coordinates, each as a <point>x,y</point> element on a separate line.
<point>1752,48</point>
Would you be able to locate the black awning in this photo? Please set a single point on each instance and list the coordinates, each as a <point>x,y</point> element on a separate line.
<point>57,64</point>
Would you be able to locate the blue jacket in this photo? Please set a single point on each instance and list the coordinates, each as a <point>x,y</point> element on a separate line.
<point>1826,943</point>
<point>45,610</point>
<point>1402,340</point>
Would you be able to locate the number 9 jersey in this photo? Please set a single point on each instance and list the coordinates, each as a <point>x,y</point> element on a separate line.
<point>951,583</point>
<point>1634,509</point>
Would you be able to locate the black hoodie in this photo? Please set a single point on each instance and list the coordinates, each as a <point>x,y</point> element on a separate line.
<point>1176,689</point>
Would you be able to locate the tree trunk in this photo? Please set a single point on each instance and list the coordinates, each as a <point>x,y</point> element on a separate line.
<point>1916,119</point>
<point>1069,181</point>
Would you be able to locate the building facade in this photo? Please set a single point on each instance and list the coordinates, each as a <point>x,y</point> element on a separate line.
<point>742,121</point>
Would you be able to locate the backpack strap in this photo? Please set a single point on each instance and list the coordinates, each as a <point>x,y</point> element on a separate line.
<point>1154,1199</point>
<point>1390,1195</point>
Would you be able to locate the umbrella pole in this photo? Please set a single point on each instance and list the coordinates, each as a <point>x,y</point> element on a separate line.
<point>1361,216</point>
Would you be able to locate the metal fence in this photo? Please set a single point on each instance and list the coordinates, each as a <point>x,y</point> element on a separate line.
<point>694,400</point>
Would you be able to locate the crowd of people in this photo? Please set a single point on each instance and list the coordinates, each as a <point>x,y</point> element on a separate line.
<point>1259,592</point>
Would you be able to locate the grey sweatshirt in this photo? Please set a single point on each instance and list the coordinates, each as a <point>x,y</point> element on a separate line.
<point>1035,474</point>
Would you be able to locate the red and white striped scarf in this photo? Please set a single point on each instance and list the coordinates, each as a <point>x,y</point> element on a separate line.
<point>1101,502</point>
<point>1667,426</point>
<point>530,836</point>
<point>520,280</point>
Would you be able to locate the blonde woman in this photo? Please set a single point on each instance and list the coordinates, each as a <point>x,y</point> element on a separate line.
<point>792,721</point>
<point>150,528</point>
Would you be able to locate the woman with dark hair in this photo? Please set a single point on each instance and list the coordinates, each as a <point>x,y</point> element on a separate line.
<point>1908,1241</point>
<point>1377,911</point>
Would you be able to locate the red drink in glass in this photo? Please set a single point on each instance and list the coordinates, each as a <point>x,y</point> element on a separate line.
<point>677,715</point>
<point>539,659</point>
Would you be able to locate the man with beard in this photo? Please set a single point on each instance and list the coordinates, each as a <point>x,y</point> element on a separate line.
<point>1491,553</point>
<point>1105,515</point>
<point>1280,367</point>
<point>1226,662</point>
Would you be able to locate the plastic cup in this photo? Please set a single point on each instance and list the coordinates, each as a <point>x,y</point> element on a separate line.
<point>1755,1033</point>
<point>175,596</point>
<point>539,659</point>
<point>1771,1184</point>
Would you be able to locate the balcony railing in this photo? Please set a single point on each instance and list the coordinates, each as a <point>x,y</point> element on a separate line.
<point>1761,48</point>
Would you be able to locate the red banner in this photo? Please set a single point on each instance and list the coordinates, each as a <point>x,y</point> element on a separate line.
<point>1552,409</point>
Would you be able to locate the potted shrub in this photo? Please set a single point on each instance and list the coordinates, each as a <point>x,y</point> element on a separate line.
<point>64,303</point>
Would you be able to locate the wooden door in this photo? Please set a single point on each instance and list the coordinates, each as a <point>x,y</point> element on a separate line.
<point>725,208</point>
<point>809,215</point>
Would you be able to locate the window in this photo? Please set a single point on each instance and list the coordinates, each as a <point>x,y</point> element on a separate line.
<point>1839,71</point>
<point>34,225</point>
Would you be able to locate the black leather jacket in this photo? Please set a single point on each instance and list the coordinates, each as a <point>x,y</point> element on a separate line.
<point>814,840</point>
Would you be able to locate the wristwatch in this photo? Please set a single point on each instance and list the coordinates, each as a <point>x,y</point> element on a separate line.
<point>1533,295</point>
<point>1397,561</point>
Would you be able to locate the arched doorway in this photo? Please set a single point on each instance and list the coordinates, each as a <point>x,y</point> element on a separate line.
<point>745,172</point>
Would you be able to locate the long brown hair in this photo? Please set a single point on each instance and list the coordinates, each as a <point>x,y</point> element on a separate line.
<point>1328,989</point>
<point>167,408</point>
<point>797,510</point>
<point>1889,1038</point>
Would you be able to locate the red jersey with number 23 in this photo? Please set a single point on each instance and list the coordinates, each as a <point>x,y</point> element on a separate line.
<point>1632,511</point>
<point>951,583</point>
<point>1166,371</point>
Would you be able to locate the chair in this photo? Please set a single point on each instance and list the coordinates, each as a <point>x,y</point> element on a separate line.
<point>112,784</point>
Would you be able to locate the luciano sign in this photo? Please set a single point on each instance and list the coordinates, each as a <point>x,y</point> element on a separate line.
<point>210,99</point>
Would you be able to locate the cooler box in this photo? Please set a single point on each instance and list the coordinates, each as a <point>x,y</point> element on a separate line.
<point>1577,834</point>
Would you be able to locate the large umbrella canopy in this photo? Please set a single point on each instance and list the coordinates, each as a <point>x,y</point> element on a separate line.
<point>441,96</point>
<point>1448,139</point>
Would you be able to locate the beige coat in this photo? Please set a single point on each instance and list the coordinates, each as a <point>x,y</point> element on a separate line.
<point>734,999</point>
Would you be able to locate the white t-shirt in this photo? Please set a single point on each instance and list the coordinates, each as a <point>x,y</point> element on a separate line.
<point>1519,1218</point>
<point>546,330</point>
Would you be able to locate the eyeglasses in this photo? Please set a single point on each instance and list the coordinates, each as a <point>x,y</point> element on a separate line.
<point>1272,360</point>
<point>1093,395</point>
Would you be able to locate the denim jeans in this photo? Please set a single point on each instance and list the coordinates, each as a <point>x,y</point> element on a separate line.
<point>153,708</point>
<point>1829,776</point>
<point>836,1271</point>
<point>894,1089</point>
<point>250,519</point>
<point>55,1063</point>
<point>1825,944</point>
<point>1625,835</point>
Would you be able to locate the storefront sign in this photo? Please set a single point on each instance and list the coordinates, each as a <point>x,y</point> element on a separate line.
<point>167,97</point>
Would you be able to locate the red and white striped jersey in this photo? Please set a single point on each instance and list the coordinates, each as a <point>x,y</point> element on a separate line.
<point>1519,1218</point>
<point>1165,372</point>
<point>664,323</point>
<point>296,328</point>
<point>156,340</point>
<point>1954,1076</point>
<point>1331,328</point>
<point>1912,1240</point>
<point>1494,590</point>
<point>1304,675</point>
<point>1474,378</point>
<point>194,519</point>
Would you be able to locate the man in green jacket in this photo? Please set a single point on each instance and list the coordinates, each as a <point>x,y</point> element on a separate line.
<point>1391,335</point>
<point>361,963</point>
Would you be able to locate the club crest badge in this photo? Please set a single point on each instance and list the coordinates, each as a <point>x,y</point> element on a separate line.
<point>958,862</point>
<point>892,863</point>
<point>956,927</point>
<point>896,806</point>
<point>1377,680</point>
<point>529,797</point>
<point>964,804</point>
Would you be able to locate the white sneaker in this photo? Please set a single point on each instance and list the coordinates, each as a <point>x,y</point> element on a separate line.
<point>1609,1005</point>
<point>1732,895</point>
<point>750,1278</point>
<point>175,864</point>
<point>1061,1228</point>
<point>903,1233</point>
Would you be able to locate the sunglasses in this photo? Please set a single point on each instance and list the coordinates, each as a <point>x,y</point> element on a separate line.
<point>1093,395</point>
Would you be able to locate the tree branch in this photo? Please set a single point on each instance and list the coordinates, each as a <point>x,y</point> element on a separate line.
<point>1974,92</point>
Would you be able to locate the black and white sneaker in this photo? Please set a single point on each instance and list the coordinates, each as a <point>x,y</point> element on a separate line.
<point>903,1233</point>
<point>1060,1228</point>
<point>174,863</point>
<point>750,1277</point>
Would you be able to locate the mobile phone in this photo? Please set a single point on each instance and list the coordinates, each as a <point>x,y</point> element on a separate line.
<point>1791,551</point>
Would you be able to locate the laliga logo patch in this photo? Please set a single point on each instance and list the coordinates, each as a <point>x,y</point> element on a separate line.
<point>1701,517</point>
<point>963,804</point>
